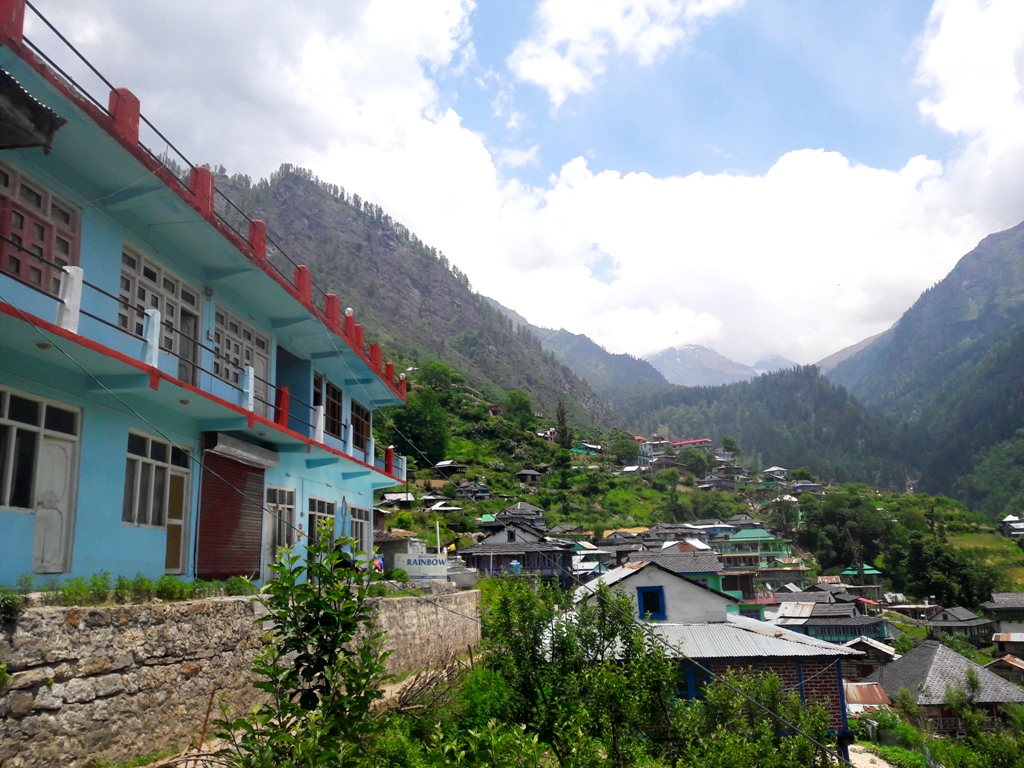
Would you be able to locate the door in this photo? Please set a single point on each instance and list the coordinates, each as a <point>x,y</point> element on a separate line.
<point>187,347</point>
<point>54,509</point>
<point>229,527</point>
<point>177,529</point>
<point>261,370</point>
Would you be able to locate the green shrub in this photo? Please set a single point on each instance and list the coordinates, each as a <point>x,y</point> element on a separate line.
<point>898,757</point>
<point>907,736</point>
<point>395,747</point>
<point>143,589</point>
<point>239,585</point>
<point>378,589</point>
<point>25,584</point>
<point>172,588</point>
<point>99,587</point>
<point>11,606</point>
<point>75,591</point>
<point>397,574</point>
<point>122,590</point>
<point>484,696</point>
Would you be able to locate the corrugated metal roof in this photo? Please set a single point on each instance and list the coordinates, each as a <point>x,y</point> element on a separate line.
<point>1008,637</point>
<point>794,610</point>
<point>865,694</point>
<point>870,641</point>
<point>742,638</point>
<point>1013,661</point>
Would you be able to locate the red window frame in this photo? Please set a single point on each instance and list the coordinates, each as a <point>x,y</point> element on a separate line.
<point>41,232</point>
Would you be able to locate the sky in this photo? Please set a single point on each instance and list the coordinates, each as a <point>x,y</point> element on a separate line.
<point>757,176</point>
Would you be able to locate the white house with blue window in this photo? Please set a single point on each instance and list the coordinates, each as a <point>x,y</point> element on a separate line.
<point>661,594</point>
<point>175,396</point>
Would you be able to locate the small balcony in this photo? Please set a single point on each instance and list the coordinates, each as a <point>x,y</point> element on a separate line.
<point>128,349</point>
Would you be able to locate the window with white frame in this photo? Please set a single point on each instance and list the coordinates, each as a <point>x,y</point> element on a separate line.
<point>361,427</point>
<point>281,508</point>
<point>148,285</point>
<point>148,470</point>
<point>320,510</point>
<point>362,527</point>
<point>24,422</point>
<point>237,344</point>
<point>40,231</point>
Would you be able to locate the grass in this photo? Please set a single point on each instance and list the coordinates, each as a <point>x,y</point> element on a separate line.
<point>997,552</point>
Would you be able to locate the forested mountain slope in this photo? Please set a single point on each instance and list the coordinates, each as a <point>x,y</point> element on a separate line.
<point>792,418</point>
<point>407,295</point>
<point>586,358</point>
<point>952,368</point>
<point>948,331</point>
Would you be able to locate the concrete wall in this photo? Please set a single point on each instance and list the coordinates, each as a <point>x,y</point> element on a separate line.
<point>114,682</point>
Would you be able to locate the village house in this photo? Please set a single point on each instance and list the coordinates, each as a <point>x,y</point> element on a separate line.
<point>523,513</point>
<point>876,654</point>
<point>832,622</point>
<point>171,400</point>
<point>447,469</point>
<point>517,548</point>
<point>473,491</point>
<point>753,548</point>
<point>528,476</point>
<point>660,594</point>
<point>1008,667</point>
<point>1009,642</point>
<point>699,626</point>
<point>962,622</point>
<point>1006,610</point>
<point>932,668</point>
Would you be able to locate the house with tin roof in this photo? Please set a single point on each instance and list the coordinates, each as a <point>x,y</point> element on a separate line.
<point>1008,667</point>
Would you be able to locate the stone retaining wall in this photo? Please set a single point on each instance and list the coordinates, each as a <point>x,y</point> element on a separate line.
<point>109,683</point>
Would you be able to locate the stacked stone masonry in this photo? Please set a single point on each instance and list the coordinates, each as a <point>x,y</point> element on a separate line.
<point>109,683</point>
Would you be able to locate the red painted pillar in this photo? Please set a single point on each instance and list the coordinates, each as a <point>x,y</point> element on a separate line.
<point>389,460</point>
<point>401,385</point>
<point>200,183</point>
<point>375,357</point>
<point>12,19</point>
<point>360,338</point>
<point>124,107</point>
<point>389,372</point>
<point>281,401</point>
<point>304,284</point>
<point>258,239</point>
<point>332,306</point>
<point>350,324</point>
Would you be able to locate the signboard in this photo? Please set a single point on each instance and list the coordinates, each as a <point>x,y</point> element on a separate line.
<point>430,566</point>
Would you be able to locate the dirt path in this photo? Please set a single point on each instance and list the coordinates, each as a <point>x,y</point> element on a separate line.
<point>861,758</point>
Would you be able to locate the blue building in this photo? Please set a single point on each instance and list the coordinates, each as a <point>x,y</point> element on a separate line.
<point>173,398</point>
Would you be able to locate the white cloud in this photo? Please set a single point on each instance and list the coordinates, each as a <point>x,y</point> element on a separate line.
<point>516,158</point>
<point>815,253</point>
<point>574,39</point>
